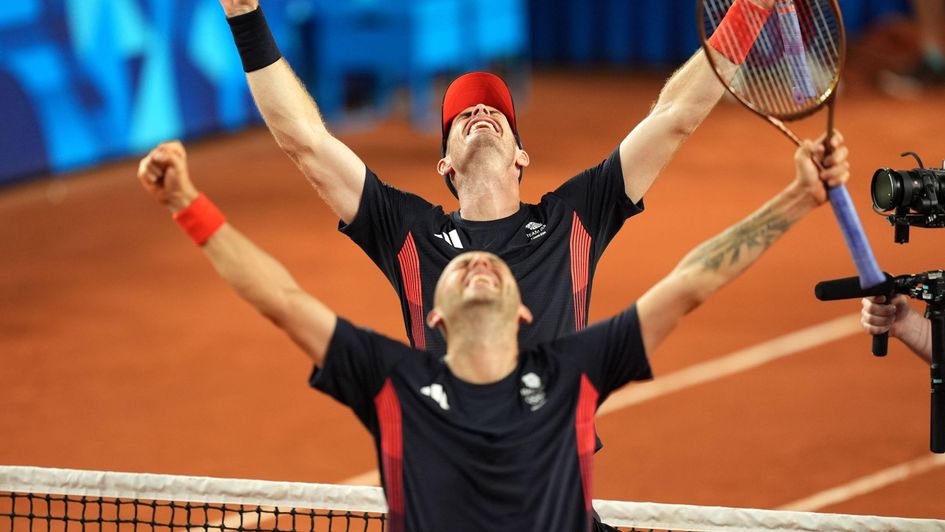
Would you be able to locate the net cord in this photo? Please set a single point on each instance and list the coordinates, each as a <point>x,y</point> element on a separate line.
<point>725,519</point>
<point>148,486</point>
<point>145,486</point>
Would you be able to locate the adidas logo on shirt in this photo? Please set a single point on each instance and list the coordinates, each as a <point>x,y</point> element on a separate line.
<point>451,238</point>
<point>438,394</point>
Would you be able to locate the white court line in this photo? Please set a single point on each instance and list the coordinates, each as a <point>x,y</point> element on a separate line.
<point>739,361</point>
<point>736,362</point>
<point>867,484</point>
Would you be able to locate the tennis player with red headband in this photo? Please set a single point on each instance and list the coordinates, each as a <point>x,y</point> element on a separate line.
<point>494,435</point>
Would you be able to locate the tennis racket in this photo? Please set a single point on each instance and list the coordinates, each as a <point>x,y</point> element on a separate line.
<point>784,64</point>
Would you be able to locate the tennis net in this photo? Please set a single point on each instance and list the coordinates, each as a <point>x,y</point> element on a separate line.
<point>45,499</point>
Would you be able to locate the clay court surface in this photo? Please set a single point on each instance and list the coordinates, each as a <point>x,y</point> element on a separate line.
<point>122,350</point>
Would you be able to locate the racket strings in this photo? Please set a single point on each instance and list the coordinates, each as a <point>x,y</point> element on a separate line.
<point>795,61</point>
<point>806,68</point>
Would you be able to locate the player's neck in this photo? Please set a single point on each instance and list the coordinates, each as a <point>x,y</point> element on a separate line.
<point>484,197</point>
<point>482,352</point>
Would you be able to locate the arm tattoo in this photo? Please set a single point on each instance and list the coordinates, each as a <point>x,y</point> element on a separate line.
<point>758,231</point>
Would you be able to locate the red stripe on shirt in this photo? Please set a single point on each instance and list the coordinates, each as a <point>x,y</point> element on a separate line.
<point>392,453</point>
<point>584,429</point>
<point>413,290</point>
<point>580,262</point>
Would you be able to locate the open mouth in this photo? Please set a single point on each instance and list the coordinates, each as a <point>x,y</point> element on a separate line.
<point>482,279</point>
<point>482,123</point>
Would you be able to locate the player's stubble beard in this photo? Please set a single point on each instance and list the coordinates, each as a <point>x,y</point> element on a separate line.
<point>484,168</point>
<point>484,328</point>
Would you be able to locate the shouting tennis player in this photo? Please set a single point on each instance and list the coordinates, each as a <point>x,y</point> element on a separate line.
<point>492,435</point>
<point>552,248</point>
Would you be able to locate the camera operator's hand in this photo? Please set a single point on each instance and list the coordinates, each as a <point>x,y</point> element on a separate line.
<point>836,169</point>
<point>879,317</point>
<point>900,320</point>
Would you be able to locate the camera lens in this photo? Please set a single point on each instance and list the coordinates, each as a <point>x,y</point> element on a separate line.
<point>887,189</point>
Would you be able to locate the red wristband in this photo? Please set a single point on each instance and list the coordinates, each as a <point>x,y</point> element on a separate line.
<point>738,30</point>
<point>201,219</point>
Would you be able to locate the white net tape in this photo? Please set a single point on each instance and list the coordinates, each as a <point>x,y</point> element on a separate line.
<point>22,479</point>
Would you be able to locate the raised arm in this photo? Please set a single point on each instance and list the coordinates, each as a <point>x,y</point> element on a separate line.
<point>685,101</point>
<point>257,277</point>
<point>292,115</point>
<point>723,258</point>
<point>901,321</point>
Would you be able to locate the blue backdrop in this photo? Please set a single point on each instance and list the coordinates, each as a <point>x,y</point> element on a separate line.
<point>643,32</point>
<point>83,81</point>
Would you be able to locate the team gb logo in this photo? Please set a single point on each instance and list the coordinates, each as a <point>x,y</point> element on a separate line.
<point>533,391</point>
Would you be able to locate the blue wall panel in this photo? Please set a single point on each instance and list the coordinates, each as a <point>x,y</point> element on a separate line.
<point>84,81</point>
<point>643,32</point>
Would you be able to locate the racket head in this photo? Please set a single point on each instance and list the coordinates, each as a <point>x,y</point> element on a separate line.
<point>766,82</point>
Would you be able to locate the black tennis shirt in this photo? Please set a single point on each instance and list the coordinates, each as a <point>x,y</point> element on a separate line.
<point>512,455</point>
<point>552,248</point>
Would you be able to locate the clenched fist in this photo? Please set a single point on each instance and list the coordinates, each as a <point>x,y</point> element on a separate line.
<point>163,173</point>
<point>234,8</point>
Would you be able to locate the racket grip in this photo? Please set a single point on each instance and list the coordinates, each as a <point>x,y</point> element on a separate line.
<point>880,344</point>
<point>859,246</point>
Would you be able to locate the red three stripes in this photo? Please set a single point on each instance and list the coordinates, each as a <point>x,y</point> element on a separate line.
<point>580,265</point>
<point>413,290</point>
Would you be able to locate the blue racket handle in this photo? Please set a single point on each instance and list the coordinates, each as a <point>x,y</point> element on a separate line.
<point>794,51</point>
<point>859,246</point>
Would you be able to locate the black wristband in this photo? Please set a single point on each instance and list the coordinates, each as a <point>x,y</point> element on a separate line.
<point>254,41</point>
